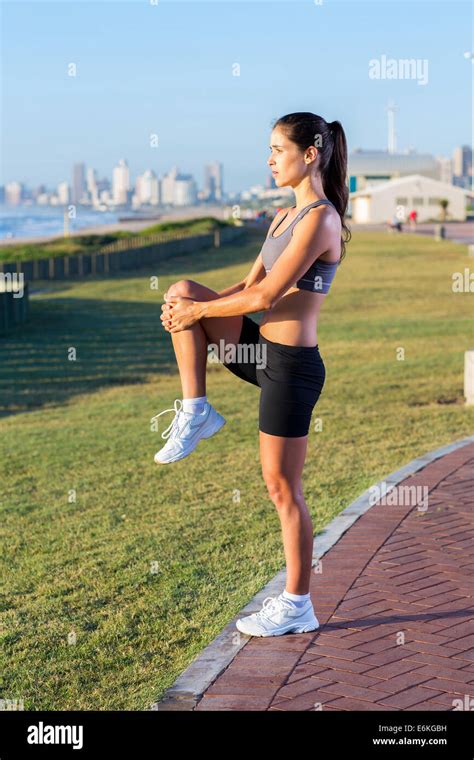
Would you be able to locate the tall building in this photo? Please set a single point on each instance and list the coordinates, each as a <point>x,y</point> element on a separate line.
<point>121,183</point>
<point>213,182</point>
<point>185,190</point>
<point>445,169</point>
<point>78,183</point>
<point>13,193</point>
<point>63,193</point>
<point>92,187</point>
<point>462,161</point>
<point>462,166</point>
<point>178,189</point>
<point>167,186</point>
<point>147,189</point>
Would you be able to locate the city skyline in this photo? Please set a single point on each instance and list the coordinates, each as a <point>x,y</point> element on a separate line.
<point>173,187</point>
<point>177,188</point>
<point>218,95</point>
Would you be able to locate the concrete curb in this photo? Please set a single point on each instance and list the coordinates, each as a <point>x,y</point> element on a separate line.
<point>188,688</point>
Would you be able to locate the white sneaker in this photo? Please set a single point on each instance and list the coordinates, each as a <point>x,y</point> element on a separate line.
<point>186,430</point>
<point>278,616</point>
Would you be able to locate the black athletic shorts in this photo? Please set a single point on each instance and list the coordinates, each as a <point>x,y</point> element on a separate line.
<point>291,379</point>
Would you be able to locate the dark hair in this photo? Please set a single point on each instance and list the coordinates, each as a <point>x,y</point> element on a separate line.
<point>305,129</point>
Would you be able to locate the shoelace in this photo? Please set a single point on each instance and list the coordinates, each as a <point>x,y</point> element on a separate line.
<point>174,427</point>
<point>271,604</point>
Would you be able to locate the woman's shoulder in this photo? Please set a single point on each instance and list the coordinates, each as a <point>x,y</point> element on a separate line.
<point>328,212</point>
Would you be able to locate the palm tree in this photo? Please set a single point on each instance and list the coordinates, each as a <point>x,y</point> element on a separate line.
<point>444,203</point>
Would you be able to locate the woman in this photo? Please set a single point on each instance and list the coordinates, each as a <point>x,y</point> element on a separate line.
<point>289,282</point>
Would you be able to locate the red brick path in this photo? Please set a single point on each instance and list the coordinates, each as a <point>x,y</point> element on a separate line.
<point>394,600</point>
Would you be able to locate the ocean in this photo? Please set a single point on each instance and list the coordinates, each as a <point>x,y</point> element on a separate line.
<point>18,222</point>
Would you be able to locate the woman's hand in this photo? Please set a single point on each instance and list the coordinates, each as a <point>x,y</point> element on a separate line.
<point>179,313</point>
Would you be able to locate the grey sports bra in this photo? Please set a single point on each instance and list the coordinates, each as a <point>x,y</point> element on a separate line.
<point>320,274</point>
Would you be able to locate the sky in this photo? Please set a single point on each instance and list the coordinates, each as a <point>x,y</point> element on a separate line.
<point>167,68</point>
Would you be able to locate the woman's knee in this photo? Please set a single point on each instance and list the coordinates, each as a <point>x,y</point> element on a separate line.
<point>281,490</point>
<point>184,288</point>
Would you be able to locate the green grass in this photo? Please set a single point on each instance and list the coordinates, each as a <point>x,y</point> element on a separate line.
<point>85,567</point>
<point>71,246</point>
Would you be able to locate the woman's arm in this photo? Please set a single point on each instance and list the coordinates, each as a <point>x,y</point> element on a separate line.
<point>180,313</point>
<point>256,274</point>
<point>231,289</point>
<point>250,293</point>
<point>247,301</point>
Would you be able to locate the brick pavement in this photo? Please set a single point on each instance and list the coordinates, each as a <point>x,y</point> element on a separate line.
<point>394,600</point>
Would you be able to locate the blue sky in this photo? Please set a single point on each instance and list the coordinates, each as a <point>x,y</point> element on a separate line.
<point>166,69</point>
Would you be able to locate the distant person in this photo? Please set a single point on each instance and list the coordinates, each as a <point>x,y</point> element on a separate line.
<point>396,223</point>
<point>413,217</point>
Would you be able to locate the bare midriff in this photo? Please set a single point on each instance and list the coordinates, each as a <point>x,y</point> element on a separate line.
<point>293,320</point>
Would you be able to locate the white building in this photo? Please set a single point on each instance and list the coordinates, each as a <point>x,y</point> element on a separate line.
<point>370,167</point>
<point>147,189</point>
<point>376,204</point>
<point>185,190</point>
<point>63,193</point>
<point>121,183</point>
<point>178,189</point>
<point>13,193</point>
<point>445,169</point>
<point>167,186</point>
<point>43,199</point>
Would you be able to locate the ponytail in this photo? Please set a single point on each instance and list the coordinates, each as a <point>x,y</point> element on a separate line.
<point>334,177</point>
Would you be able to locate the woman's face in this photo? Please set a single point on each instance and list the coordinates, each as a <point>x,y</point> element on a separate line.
<point>286,161</point>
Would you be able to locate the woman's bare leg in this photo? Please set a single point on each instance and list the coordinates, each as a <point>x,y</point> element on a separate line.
<point>190,345</point>
<point>282,461</point>
<point>190,348</point>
